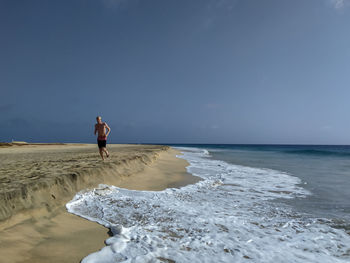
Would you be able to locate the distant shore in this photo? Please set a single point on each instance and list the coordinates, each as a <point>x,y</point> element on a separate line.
<point>37,180</point>
<point>18,143</point>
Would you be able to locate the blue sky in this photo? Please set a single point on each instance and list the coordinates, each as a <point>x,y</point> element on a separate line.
<point>184,71</point>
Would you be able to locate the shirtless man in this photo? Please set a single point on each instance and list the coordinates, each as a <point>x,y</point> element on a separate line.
<point>100,128</point>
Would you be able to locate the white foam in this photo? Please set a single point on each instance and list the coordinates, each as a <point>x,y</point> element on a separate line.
<point>226,217</point>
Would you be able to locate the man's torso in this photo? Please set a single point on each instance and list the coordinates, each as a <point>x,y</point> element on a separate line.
<point>101,131</point>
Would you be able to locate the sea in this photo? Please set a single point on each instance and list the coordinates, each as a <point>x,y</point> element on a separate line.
<point>254,203</point>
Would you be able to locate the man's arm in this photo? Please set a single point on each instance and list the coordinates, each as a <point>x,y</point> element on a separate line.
<point>95,129</point>
<point>109,129</point>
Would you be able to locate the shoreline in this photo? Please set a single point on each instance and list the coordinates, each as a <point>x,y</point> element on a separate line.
<point>43,176</point>
<point>50,233</point>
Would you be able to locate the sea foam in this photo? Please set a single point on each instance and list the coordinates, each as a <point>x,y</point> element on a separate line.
<point>232,215</point>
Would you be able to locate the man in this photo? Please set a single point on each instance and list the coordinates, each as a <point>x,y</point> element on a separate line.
<point>100,128</point>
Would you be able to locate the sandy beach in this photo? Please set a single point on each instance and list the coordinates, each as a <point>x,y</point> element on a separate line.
<point>38,180</point>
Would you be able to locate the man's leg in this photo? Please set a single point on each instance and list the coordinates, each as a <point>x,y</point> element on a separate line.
<point>101,153</point>
<point>106,152</point>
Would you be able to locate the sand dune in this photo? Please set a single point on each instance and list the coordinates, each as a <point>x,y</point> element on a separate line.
<point>44,176</point>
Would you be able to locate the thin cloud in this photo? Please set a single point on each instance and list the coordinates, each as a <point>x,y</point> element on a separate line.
<point>340,4</point>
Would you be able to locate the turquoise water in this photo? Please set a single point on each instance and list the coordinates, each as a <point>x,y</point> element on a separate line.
<point>323,169</point>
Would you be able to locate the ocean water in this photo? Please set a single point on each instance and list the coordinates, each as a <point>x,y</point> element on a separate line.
<point>253,204</point>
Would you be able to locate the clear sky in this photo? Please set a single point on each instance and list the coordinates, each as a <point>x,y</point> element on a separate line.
<point>176,71</point>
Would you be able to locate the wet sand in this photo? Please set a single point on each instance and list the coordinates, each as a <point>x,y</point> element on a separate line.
<point>39,229</point>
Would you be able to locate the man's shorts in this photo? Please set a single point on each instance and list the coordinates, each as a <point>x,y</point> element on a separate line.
<point>101,143</point>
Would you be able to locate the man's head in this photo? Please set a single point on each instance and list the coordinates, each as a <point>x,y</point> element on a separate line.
<point>99,119</point>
